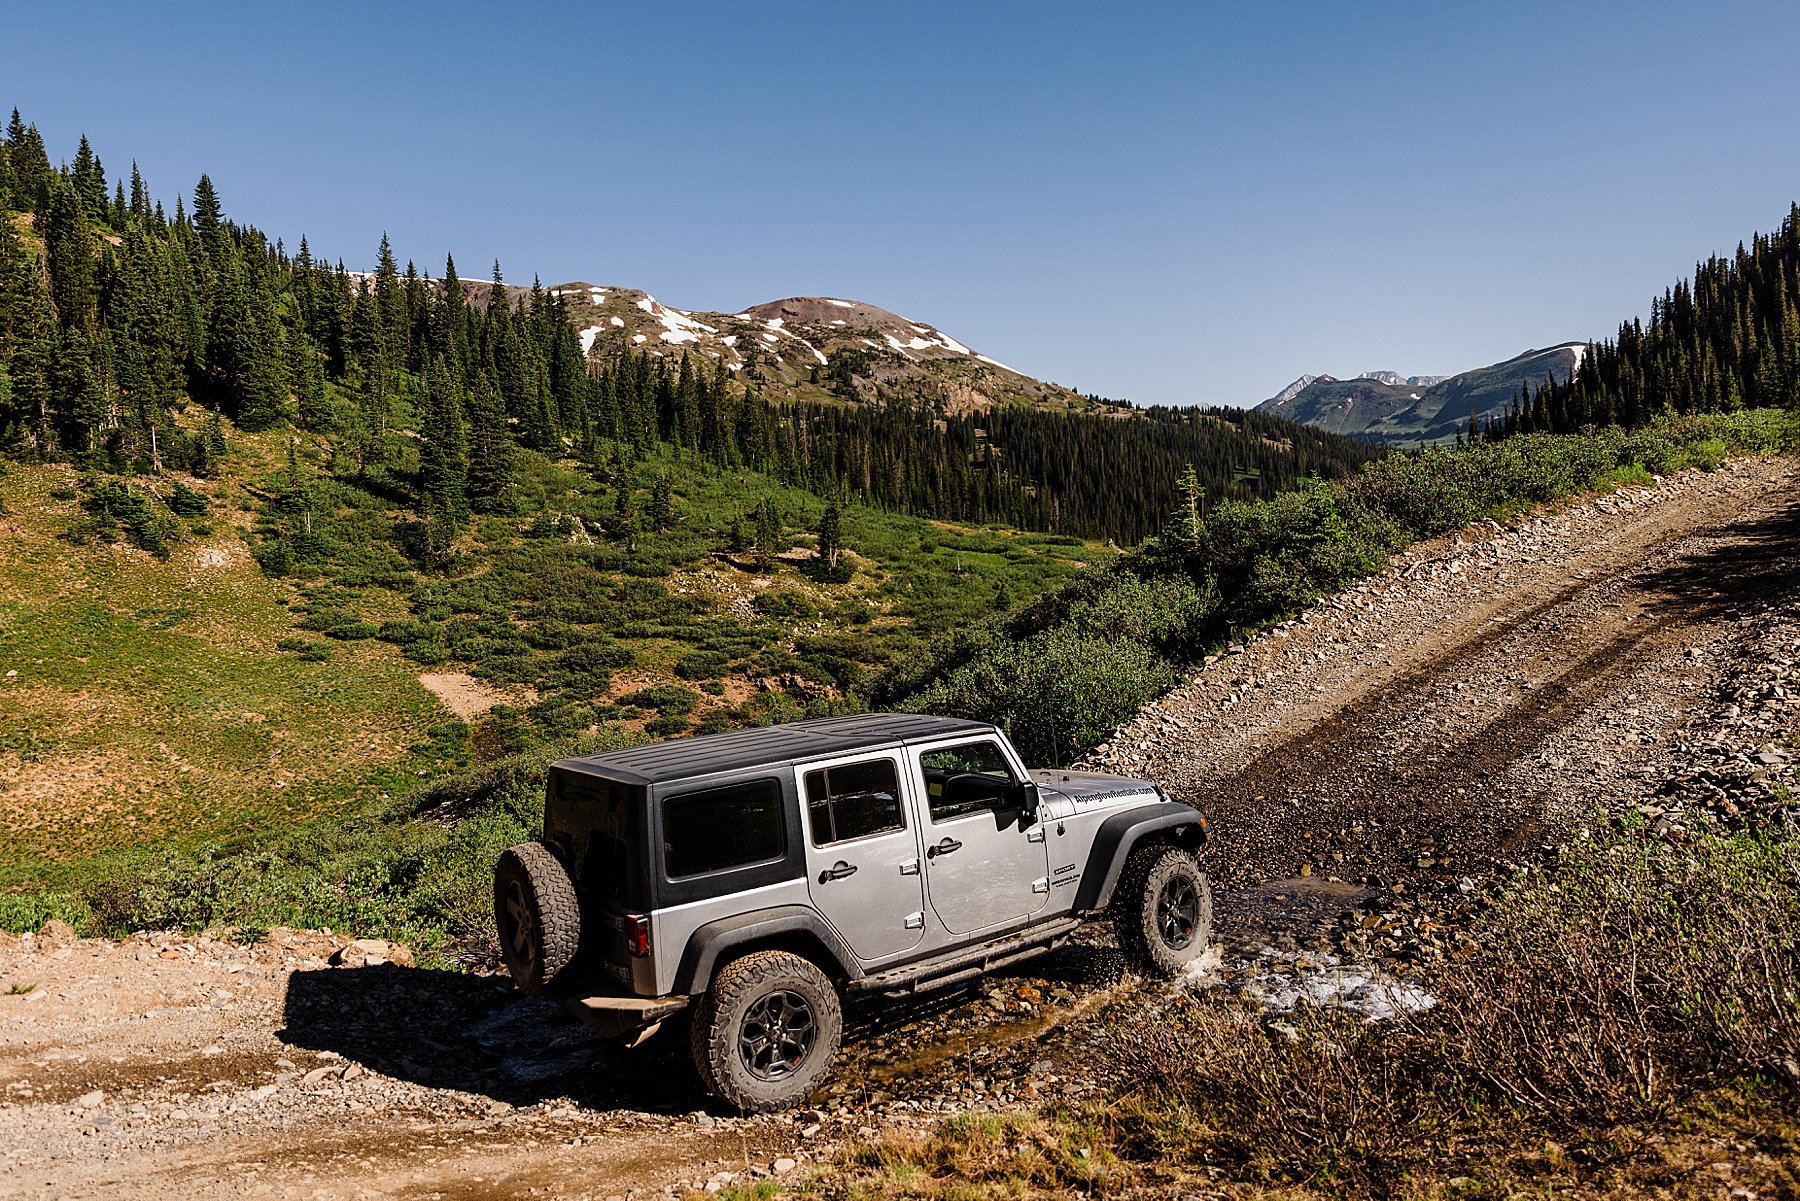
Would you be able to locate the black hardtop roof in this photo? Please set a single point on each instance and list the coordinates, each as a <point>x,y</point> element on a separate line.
<point>713,753</point>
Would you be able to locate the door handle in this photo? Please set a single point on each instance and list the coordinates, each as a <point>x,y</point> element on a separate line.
<point>943,848</point>
<point>837,871</point>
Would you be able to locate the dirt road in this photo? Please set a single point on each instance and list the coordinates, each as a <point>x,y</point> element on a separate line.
<point>1455,711</point>
<point>1444,717</point>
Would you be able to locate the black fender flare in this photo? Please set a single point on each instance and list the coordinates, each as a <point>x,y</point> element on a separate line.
<point>1121,832</point>
<point>786,927</point>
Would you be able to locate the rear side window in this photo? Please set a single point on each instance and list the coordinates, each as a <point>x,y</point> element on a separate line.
<point>723,828</point>
<point>855,800</point>
<point>971,778</point>
<point>604,810</point>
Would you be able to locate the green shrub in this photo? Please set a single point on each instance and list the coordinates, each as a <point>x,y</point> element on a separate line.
<point>1708,455</point>
<point>1055,693</point>
<point>552,635</point>
<point>113,506</point>
<point>274,556</point>
<point>666,699</point>
<point>784,603</point>
<point>549,525</point>
<point>701,665</point>
<point>188,502</point>
<point>407,633</point>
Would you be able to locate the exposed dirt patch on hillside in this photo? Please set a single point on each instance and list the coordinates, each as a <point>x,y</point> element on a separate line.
<point>468,697</point>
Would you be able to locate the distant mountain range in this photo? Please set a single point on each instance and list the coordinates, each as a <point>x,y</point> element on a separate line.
<point>1383,406</point>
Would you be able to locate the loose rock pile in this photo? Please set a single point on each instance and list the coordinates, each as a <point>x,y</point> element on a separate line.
<point>1741,770</point>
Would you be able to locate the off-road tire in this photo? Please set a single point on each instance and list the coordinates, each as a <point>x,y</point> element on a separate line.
<point>729,1015</point>
<point>1162,910</point>
<point>536,914</point>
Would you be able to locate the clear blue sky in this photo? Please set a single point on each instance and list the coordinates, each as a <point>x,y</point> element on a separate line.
<point>1176,204</point>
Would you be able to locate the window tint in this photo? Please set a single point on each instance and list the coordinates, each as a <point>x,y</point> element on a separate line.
<point>723,828</point>
<point>854,801</point>
<point>605,809</point>
<point>971,778</point>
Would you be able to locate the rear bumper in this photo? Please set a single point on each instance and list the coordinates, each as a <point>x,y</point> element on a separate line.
<point>615,1014</point>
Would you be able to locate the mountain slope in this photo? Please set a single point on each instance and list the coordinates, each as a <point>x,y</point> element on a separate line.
<point>809,347</point>
<point>1486,392</point>
<point>1377,408</point>
<point>1342,406</point>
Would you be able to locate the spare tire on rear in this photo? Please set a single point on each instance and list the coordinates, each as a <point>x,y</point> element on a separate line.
<point>537,915</point>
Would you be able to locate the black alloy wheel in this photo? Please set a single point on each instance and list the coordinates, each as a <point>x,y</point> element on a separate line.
<point>765,1032</point>
<point>1178,912</point>
<point>777,1035</point>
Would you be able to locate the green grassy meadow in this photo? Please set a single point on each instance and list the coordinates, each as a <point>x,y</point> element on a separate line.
<point>208,732</point>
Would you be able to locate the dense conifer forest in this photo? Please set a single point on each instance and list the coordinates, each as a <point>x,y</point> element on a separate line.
<point>1729,339</point>
<point>129,330</point>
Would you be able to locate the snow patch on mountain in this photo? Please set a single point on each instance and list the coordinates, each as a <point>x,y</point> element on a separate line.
<point>1292,390</point>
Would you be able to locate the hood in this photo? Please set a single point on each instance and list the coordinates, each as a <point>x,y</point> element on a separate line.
<point>1091,787</point>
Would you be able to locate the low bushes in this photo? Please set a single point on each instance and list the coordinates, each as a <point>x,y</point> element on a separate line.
<point>1627,983</point>
<point>1108,651</point>
<point>113,506</point>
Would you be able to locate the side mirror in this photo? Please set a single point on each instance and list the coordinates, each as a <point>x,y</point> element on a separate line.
<point>1025,798</point>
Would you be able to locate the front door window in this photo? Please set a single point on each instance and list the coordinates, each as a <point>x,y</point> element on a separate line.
<point>972,778</point>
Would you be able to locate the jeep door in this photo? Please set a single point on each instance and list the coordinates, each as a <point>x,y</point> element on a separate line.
<point>862,853</point>
<point>985,859</point>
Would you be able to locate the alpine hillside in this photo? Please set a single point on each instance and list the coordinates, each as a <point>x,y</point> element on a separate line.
<point>811,348</point>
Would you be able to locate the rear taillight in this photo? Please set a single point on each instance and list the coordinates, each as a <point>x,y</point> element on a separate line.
<point>637,936</point>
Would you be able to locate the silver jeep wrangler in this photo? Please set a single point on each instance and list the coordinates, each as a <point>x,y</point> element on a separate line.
<point>760,875</point>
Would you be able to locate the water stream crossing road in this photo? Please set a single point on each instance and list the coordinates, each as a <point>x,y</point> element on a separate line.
<point>1426,728</point>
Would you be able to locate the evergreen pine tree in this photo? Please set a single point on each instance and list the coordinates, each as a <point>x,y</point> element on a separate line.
<point>209,216</point>
<point>78,395</point>
<point>308,370</point>
<point>443,462</point>
<point>69,245</point>
<point>390,307</point>
<point>768,534</point>
<point>493,470</point>
<point>26,328</point>
<point>30,165</point>
<point>88,179</point>
<point>831,532</point>
<point>243,349</point>
<point>662,503</point>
